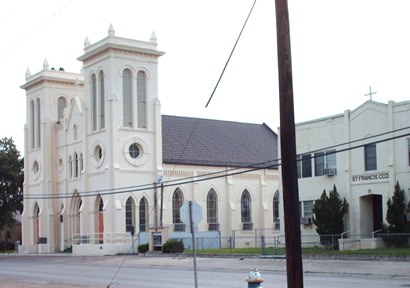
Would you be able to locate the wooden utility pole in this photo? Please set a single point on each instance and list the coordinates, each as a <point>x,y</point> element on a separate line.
<point>288,150</point>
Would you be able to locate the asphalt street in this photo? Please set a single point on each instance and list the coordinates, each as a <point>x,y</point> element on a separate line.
<point>159,272</point>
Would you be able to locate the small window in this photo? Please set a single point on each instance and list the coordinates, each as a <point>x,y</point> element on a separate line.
<point>129,214</point>
<point>408,150</point>
<point>276,220</point>
<point>35,167</point>
<point>98,153</point>
<point>94,102</point>
<point>127,98</point>
<point>102,99</point>
<point>134,150</point>
<point>75,132</point>
<point>62,104</point>
<point>212,207</point>
<point>304,166</point>
<point>246,210</point>
<point>370,159</point>
<point>325,163</point>
<point>75,165</point>
<point>143,215</point>
<point>306,209</point>
<point>177,201</point>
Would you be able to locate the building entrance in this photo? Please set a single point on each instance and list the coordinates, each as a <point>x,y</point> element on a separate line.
<point>371,214</point>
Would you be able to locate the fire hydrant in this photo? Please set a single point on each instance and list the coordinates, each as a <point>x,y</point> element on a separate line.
<point>254,279</point>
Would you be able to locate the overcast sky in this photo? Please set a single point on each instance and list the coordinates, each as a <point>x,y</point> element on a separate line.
<point>339,49</point>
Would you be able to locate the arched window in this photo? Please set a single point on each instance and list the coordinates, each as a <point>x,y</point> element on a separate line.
<point>276,221</point>
<point>99,208</point>
<point>246,210</point>
<point>75,211</point>
<point>75,165</point>
<point>75,132</point>
<point>141,99</point>
<point>62,104</point>
<point>129,214</point>
<point>36,224</point>
<point>102,99</point>
<point>70,167</point>
<point>32,126</point>
<point>143,215</point>
<point>127,98</point>
<point>38,124</point>
<point>177,201</point>
<point>212,210</point>
<point>94,102</point>
<point>81,163</point>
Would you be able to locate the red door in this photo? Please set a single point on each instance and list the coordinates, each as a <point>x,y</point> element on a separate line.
<point>101,226</point>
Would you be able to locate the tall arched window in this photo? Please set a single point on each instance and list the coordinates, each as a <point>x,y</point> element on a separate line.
<point>143,214</point>
<point>75,165</point>
<point>70,167</point>
<point>102,99</point>
<point>75,132</point>
<point>141,99</point>
<point>129,214</point>
<point>276,221</point>
<point>62,104</point>
<point>36,224</point>
<point>99,208</point>
<point>81,163</point>
<point>177,201</point>
<point>94,102</point>
<point>246,210</point>
<point>212,210</point>
<point>75,211</point>
<point>38,124</point>
<point>127,98</point>
<point>32,126</point>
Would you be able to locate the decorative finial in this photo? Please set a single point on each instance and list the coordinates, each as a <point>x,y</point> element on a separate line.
<point>86,42</point>
<point>28,72</point>
<point>153,38</point>
<point>111,31</point>
<point>45,64</point>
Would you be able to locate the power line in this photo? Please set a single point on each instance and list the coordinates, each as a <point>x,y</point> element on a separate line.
<point>230,55</point>
<point>222,173</point>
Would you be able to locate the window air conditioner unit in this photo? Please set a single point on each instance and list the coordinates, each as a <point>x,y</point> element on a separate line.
<point>306,221</point>
<point>329,171</point>
<point>213,226</point>
<point>179,227</point>
<point>247,226</point>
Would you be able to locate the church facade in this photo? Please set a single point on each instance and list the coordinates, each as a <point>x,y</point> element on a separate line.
<point>104,167</point>
<point>363,153</point>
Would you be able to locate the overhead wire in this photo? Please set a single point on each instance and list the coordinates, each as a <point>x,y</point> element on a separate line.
<point>274,163</point>
<point>230,55</point>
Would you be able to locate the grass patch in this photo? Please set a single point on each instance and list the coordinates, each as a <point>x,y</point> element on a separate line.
<point>307,251</point>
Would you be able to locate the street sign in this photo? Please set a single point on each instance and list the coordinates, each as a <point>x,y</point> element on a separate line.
<point>196,214</point>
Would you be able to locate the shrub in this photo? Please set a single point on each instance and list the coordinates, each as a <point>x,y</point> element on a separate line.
<point>173,246</point>
<point>143,248</point>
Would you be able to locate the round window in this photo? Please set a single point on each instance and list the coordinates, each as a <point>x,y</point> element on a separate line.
<point>35,167</point>
<point>98,153</point>
<point>134,150</point>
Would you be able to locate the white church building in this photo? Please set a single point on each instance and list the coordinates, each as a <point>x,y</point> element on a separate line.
<point>104,167</point>
<point>363,152</point>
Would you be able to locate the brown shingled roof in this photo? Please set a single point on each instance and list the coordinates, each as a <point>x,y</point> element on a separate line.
<point>199,141</point>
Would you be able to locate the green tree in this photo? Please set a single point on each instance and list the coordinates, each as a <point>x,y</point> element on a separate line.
<point>396,211</point>
<point>328,213</point>
<point>11,182</point>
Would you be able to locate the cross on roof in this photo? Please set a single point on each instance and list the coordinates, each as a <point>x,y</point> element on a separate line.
<point>370,93</point>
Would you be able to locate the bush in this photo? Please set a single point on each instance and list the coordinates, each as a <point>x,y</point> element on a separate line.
<point>143,248</point>
<point>173,246</point>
